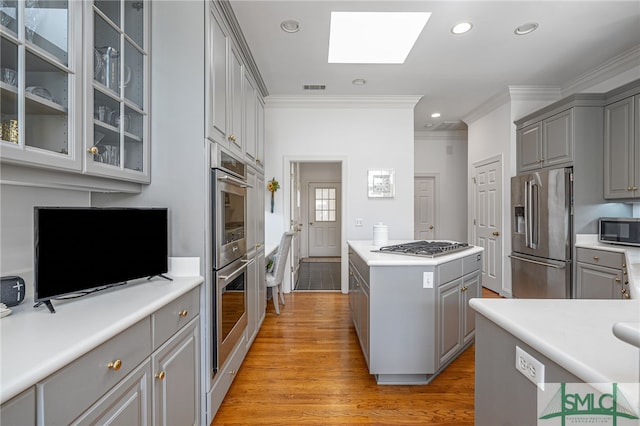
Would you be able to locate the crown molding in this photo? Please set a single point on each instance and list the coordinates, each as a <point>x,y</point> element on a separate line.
<point>610,69</point>
<point>371,102</point>
<point>491,104</point>
<point>534,93</point>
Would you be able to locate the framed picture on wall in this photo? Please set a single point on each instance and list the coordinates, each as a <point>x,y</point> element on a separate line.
<point>381,183</point>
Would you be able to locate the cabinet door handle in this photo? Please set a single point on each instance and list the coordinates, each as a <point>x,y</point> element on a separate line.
<point>596,258</point>
<point>93,150</point>
<point>161,375</point>
<point>618,280</point>
<point>115,365</point>
<point>183,313</point>
<point>232,138</point>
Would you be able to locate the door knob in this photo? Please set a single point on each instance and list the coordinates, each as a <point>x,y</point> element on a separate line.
<point>310,223</point>
<point>431,227</point>
<point>495,233</point>
<point>93,150</point>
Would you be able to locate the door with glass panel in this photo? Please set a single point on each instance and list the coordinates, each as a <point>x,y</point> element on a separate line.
<point>40,85</point>
<point>324,219</point>
<point>117,140</point>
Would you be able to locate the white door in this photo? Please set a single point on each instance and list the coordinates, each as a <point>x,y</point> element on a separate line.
<point>488,220</point>
<point>424,206</point>
<point>296,222</point>
<point>324,219</point>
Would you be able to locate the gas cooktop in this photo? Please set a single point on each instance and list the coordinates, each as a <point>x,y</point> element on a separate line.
<point>425,248</point>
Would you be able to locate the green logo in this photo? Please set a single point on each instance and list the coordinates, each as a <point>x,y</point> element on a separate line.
<point>581,403</point>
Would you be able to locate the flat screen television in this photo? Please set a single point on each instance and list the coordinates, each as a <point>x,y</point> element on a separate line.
<point>80,250</point>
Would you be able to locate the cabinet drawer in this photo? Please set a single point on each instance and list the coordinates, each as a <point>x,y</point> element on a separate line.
<point>73,389</point>
<point>449,271</point>
<point>166,321</point>
<point>20,410</point>
<point>471,263</point>
<point>605,258</point>
<point>360,265</point>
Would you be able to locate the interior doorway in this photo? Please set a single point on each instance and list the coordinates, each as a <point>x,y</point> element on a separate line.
<point>424,206</point>
<point>316,217</point>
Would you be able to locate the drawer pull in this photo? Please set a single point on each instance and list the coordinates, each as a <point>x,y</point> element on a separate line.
<point>161,375</point>
<point>618,280</point>
<point>232,372</point>
<point>115,365</point>
<point>183,313</point>
<point>596,258</point>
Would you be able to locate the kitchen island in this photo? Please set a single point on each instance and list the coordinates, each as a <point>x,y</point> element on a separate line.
<point>411,313</point>
<point>573,339</point>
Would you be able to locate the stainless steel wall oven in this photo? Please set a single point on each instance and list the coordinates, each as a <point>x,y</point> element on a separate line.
<point>229,260</point>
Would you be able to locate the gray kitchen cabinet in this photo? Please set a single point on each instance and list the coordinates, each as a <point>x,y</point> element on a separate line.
<point>256,286</point>
<point>359,303</point>
<point>547,143</point>
<point>601,275</point>
<point>113,382</point>
<point>411,320</point>
<point>456,319</point>
<point>250,121</point>
<point>19,410</point>
<point>235,102</point>
<point>41,86</point>
<point>176,389</point>
<point>260,135</point>
<point>622,148</point>
<point>217,76</point>
<point>128,403</point>
<point>117,97</point>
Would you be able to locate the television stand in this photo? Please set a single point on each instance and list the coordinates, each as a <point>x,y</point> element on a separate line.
<point>47,303</point>
<point>161,276</point>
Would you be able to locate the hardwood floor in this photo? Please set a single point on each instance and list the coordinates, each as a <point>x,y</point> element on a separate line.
<point>306,368</point>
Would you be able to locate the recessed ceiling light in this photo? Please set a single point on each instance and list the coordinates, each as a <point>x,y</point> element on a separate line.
<point>461,28</point>
<point>290,26</point>
<point>526,28</point>
<point>374,37</point>
<point>359,81</point>
<point>435,115</point>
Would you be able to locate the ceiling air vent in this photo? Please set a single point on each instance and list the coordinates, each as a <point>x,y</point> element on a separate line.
<point>314,87</point>
<point>451,125</point>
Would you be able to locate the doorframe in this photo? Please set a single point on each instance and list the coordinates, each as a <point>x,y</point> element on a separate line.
<point>473,231</point>
<point>344,252</point>
<point>436,198</point>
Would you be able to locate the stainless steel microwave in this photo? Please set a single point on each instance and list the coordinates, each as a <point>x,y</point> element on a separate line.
<point>619,230</point>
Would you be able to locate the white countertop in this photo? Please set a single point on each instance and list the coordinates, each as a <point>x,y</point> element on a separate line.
<point>365,249</point>
<point>575,334</point>
<point>35,343</point>
<point>632,255</point>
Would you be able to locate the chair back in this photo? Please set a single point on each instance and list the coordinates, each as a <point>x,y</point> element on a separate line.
<point>281,256</point>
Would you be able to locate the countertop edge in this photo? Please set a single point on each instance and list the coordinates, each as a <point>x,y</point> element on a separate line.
<point>365,250</point>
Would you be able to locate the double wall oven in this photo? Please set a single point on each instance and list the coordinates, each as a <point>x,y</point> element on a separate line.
<point>229,254</point>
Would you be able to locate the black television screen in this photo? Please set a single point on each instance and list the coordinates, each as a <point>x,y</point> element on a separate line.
<point>79,249</point>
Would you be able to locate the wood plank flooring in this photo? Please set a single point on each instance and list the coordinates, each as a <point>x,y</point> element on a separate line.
<point>306,368</point>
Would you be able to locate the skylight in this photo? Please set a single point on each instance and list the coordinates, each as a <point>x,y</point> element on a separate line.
<point>374,37</point>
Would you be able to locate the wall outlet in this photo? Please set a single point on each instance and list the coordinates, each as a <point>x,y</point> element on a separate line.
<point>427,280</point>
<point>359,221</point>
<point>530,367</point>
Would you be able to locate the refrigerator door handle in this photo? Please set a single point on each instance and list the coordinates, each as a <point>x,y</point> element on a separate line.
<point>537,262</point>
<point>526,213</point>
<point>534,215</point>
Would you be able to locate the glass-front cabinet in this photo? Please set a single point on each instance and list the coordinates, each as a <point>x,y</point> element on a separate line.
<point>40,83</point>
<point>117,96</point>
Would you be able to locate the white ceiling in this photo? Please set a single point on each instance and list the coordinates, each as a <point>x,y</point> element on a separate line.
<point>455,74</point>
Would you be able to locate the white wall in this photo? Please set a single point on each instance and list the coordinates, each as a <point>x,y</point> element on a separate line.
<point>361,133</point>
<point>16,224</point>
<point>444,155</point>
<point>367,133</point>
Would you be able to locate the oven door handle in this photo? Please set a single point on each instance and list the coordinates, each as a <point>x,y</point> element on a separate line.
<point>238,182</point>
<point>245,263</point>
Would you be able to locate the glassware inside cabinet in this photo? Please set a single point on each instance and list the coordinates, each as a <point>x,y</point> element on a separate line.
<point>9,15</point>
<point>133,124</point>
<point>9,91</point>
<point>106,58</point>
<point>46,105</point>
<point>46,26</point>
<point>133,80</point>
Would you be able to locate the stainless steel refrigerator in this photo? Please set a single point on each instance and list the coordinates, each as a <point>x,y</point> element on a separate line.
<point>541,237</point>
